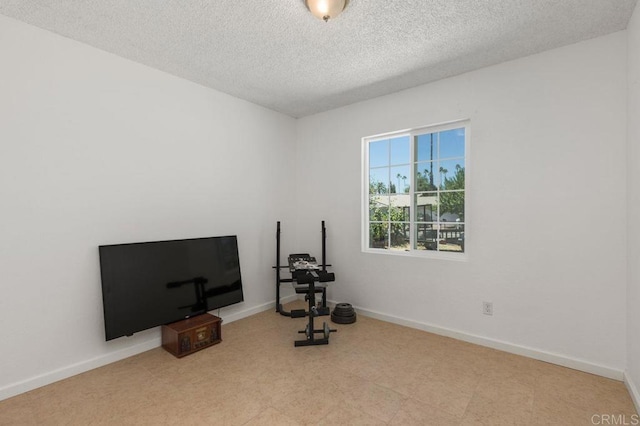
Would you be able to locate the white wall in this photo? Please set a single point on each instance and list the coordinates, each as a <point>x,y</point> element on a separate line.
<point>546,239</point>
<point>633,180</point>
<point>95,149</point>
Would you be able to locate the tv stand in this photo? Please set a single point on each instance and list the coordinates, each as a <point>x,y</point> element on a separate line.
<point>190,335</point>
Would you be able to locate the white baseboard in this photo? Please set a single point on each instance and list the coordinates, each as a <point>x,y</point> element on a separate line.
<point>633,390</point>
<point>74,369</point>
<point>563,360</point>
<point>83,366</point>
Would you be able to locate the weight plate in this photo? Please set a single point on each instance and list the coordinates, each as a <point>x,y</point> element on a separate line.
<point>343,319</point>
<point>344,311</point>
<point>344,314</point>
<point>344,306</point>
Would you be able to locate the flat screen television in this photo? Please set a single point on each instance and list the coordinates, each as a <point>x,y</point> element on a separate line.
<point>145,285</point>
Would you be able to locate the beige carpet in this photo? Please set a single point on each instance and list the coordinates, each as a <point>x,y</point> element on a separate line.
<point>371,373</point>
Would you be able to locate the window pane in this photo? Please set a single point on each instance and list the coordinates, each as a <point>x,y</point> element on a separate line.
<point>451,174</point>
<point>427,207</point>
<point>452,143</point>
<point>426,237</point>
<point>400,215</point>
<point>452,238</point>
<point>452,206</point>
<point>379,153</point>
<point>400,179</point>
<point>379,181</point>
<point>400,153</point>
<point>425,176</point>
<point>426,147</point>
<point>400,236</point>
<point>400,208</point>
<point>379,235</point>
<point>378,208</point>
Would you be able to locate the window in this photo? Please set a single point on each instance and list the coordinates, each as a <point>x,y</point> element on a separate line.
<point>415,191</point>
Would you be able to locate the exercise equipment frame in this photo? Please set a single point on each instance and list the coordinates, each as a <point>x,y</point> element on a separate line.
<point>322,276</point>
<point>305,272</point>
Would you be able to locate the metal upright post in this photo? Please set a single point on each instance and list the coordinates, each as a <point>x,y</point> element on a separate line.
<point>278,308</point>
<point>324,247</point>
<point>324,261</point>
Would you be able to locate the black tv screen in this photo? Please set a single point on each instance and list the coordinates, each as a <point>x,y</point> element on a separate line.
<point>145,285</point>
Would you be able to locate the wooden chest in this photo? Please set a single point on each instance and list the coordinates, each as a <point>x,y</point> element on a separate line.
<point>190,335</point>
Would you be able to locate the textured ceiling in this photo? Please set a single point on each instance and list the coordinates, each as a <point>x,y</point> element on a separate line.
<point>276,54</point>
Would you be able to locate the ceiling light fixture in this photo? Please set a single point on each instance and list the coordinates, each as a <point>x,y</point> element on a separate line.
<point>326,9</point>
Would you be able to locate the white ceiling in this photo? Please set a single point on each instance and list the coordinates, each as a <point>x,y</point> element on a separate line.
<point>276,54</point>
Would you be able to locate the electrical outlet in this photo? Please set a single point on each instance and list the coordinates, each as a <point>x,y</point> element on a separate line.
<point>487,308</point>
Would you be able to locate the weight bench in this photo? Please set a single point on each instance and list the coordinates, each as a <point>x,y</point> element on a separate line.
<point>309,279</point>
<point>298,265</point>
<point>305,269</point>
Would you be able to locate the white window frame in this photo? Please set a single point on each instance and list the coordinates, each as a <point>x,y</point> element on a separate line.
<point>412,133</point>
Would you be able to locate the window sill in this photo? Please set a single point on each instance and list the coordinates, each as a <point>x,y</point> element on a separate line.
<point>423,254</point>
